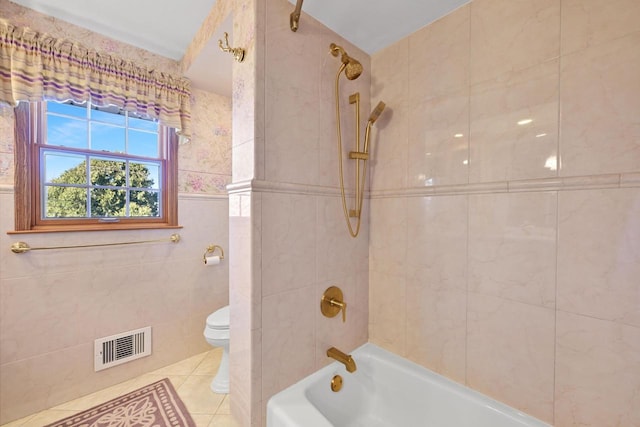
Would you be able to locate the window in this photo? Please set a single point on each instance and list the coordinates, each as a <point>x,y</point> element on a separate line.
<point>83,167</point>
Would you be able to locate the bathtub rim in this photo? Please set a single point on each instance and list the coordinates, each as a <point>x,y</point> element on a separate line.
<point>286,403</point>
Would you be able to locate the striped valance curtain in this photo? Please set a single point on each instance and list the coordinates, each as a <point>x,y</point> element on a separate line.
<point>35,66</point>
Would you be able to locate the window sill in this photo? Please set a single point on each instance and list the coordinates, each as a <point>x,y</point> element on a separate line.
<point>94,227</point>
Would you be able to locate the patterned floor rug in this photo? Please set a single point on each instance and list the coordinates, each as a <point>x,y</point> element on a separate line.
<point>155,405</point>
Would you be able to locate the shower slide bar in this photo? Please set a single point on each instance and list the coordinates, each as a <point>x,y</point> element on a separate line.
<point>22,247</point>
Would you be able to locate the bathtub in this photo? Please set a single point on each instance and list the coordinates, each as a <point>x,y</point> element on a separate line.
<point>387,391</point>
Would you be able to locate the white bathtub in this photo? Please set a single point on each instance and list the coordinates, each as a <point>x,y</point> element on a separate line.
<point>387,391</point>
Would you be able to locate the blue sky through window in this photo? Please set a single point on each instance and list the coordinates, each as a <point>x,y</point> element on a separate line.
<point>66,132</point>
<point>143,143</point>
<point>67,127</point>
<point>67,109</point>
<point>107,138</point>
<point>108,117</point>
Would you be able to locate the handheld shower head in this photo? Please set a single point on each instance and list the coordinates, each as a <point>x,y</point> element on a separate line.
<point>376,112</point>
<point>353,68</point>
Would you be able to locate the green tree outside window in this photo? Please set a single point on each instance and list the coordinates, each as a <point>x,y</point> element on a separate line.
<point>71,201</point>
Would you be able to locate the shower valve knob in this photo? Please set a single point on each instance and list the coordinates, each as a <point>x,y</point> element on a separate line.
<point>332,303</point>
<point>342,306</point>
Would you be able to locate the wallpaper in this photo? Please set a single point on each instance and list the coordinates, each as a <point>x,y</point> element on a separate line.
<point>204,163</point>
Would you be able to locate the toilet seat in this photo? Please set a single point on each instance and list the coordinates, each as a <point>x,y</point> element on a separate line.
<point>219,319</point>
<point>217,326</point>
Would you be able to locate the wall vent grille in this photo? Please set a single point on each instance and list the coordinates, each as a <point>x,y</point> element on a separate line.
<point>121,348</point>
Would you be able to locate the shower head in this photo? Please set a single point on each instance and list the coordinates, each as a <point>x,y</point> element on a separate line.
<point>376,112</point>
<point>353,68</point>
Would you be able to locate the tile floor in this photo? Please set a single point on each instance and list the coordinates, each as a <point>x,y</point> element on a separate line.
<point>190,377</point>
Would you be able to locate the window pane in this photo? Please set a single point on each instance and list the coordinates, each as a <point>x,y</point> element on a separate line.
<point>143,144</point>
<point>107,172</point>
<point>144,175</point>
<point>66,132</point>
<point>65,202</point>
<point>111,115</point>
<point>69,109</point>
<point>107,138</point>
<point>73,183</point>
<point>144,124</point>
<point>108,202</point>
<point>144,203</point>
<point>64,168</point>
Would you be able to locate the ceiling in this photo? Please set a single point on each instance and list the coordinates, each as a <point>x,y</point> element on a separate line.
<point>166,30</point>
<point>373,25</point>
<point>166,27</point>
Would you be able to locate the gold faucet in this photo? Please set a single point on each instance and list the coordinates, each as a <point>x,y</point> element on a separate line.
<point>345,359</point>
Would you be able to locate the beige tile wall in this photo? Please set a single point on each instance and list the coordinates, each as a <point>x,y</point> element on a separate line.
<point>53,304</point>
<point>514,262</point>
<point>247,164</point>
<point>287,224</point>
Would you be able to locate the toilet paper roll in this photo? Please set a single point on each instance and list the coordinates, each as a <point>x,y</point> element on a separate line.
<point>211,260</point>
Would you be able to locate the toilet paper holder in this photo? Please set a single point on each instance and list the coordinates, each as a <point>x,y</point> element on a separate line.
<point>211,249</point>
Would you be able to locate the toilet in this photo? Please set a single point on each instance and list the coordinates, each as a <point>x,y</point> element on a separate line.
<point>216,332</point>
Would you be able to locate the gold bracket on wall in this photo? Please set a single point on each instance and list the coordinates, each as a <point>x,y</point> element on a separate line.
<point>294,18</point>
<point>211,249</point>
<point>238,52</point>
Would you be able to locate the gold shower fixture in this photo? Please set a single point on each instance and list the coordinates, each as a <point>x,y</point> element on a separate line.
<point>352,70</point>
<point>352,67</point>
<point>332,303</point>
<point>294,18</point>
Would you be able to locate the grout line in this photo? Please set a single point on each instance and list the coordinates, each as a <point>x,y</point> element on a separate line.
<point>555,311</point>
<point>408,118</point>
<point>468,199</point>
<point>405,352</point>
<point>469,163</point>
<point>558,169</point>
<point>466,308</point>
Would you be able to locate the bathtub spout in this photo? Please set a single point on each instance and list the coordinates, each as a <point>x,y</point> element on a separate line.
<point>343,358</point>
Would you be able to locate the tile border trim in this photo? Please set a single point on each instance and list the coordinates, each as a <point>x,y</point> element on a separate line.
<point>203,196</point>
<point>588,182</point>
<point>259,186</point>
